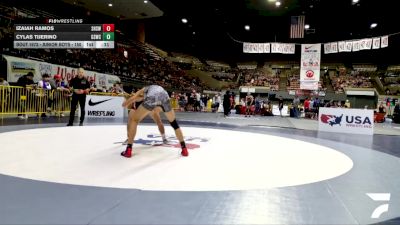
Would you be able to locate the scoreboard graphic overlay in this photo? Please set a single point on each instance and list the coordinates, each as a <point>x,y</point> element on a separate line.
<point>57,34</point>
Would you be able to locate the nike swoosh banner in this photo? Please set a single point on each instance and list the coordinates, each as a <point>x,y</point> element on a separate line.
<point>310,66</point>
<point>92,103</point>
<point>104,106</point>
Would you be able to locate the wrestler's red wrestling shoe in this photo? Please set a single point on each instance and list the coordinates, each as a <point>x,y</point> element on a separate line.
<point>127,153</point>
<point>184,152</point>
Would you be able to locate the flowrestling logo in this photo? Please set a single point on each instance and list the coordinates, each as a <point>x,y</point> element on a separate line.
<point>350,121</point>
<point>156,140</point>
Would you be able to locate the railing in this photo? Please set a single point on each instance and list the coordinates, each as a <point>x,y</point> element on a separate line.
<point>30,100</point>
<point>24,101</point>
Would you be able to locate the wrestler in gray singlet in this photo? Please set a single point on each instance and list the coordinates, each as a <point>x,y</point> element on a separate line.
<point>154,96</point>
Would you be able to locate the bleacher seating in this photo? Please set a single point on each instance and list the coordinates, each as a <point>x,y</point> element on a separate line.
<point>355,79</point>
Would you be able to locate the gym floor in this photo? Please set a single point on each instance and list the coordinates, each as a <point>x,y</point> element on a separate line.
<point>240,170</point>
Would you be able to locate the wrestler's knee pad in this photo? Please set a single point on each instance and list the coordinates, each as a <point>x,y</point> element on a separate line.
<point>174,124</point>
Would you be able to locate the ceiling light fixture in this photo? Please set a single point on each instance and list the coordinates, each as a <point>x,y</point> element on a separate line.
<point>247,27</point>
<point>277,4</point>
<point>184,20</point>
<point>373,25</point>
<point>355,1</point>
<point>110,4</point>
<point>307,26</point>
<point>145,1</point>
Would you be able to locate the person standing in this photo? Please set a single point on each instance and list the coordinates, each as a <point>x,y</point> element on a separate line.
<point>249,103</point>
<point>296,103</point>
<point>80,87</point>
<point>227,103</point>
<point>307,108</point>
<point>280,105</point>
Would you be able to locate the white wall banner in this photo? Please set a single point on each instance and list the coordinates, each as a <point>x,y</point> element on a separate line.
<point>267,48</point>
<point>260,47</point>
<point>310,63</point>
<point>349,46</point>
<point>245,47</point>
<point>17,67</point>
<point>362,44</point>
<point>104,106</point>
<point>341,120</point>
<point>342,46</point>
<point>280,48</point>
<point>292,48</point>
<point>285,49</point>
<point>254,48</point>
<point>327,48</point>
<point>368,43</point>
<point>274,47</point>
<point>334,47</point>
<point>376,43</point>
<point>384,41</point>
<point>356,46</point>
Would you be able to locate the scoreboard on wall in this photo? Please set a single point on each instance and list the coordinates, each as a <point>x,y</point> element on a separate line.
<point>64,34</point>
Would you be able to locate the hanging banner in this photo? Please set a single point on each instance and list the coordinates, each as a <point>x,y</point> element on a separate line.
<point>349,46</point>
<point>256,47</point>
<point>310,64</point>
<point>376,43</point>
<point>274,48</point>
<point>260,48</point>
<point>342,46</point>
<point>384,41</point>
<point>285,48</point>
<point>292,48</point>
<point>267,48</point>
<point>368,43</point>
<point>245,47</point>
<point>362,44</point>
<point>327,48</point>
<point>289,48</point>
<point>356,46</point>
<point>280,48</point>
<point>334,47</point>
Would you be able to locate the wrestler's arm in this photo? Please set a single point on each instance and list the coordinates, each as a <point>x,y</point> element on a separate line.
<point>137,97</point>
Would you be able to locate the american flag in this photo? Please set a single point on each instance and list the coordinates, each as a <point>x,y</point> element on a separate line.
<point>297,26</point>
